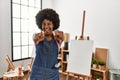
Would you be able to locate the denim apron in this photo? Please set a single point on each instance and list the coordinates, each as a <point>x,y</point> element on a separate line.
<point>44,64</point>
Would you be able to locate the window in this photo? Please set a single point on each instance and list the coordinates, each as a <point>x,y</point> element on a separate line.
<point>23,27</point>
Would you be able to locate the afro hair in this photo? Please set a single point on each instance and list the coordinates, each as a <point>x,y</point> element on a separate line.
<point>48,14</point>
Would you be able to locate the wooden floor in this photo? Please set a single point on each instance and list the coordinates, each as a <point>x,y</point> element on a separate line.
<point>62,77</point>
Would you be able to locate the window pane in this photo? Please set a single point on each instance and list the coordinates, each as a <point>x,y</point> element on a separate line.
<point>25,2</point>
<point>31,38</point>
<point>16,53</point>
<point>31,51</point>
<point>31,19</point>
<point>38,3</point>
<point>24,25</point>
<point>31,2</point>
<point>32,13</point>
<point>36,27</point>
<point>32,27</point>
<point>24,12</point>
<point>16,9</point>
<point>24,38</point>
<point>37,10</point>
<point>24,51</point>
<point>16,39</point>
<point>16,24</point>
<point>16,1</point>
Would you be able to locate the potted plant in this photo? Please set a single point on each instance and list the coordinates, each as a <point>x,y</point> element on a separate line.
<point>94,63</point>
<point>97,77</point>
<point>101,65</point>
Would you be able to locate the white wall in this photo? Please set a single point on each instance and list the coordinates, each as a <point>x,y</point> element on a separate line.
<point>47,4</point>
<point>5,33</point>
<point>101,24</point>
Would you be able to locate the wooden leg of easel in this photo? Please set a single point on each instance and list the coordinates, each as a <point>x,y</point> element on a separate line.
<point>90,78</point>
<point>28,75</point>
<point>67,77</point>
<point>78,77</point>
<point>85,77</point>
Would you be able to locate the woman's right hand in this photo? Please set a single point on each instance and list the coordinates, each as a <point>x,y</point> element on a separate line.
<point>38,37</point>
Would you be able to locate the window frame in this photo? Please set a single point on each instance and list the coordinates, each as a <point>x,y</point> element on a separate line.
<point>20,32</point>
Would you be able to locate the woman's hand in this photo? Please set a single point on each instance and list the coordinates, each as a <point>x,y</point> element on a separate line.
<point>38,37</point>
<point>59,36</point>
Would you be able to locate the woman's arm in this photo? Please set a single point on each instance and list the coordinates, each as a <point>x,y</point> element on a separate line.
<point>38,37</point>
<point>59,36</point>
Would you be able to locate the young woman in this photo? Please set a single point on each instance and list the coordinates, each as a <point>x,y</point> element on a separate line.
<point>47,44</point>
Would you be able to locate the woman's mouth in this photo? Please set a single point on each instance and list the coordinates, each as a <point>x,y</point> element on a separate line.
<point>47,31</point>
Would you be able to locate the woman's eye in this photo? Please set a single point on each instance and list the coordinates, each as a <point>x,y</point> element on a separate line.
<point>49,23</point>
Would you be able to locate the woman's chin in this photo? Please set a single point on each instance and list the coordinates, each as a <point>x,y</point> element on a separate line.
<point>47,34</point>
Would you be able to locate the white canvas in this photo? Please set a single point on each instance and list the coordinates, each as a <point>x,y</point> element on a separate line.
<point>80,56</point>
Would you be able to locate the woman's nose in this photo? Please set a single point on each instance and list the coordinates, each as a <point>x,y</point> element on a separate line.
<point>47,28</point>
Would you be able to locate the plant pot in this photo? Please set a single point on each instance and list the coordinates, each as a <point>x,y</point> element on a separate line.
<point>97,79</point>
<point>94,65</point>
<point>102,67</point>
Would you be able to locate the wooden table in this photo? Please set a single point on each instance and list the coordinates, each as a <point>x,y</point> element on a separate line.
<point>13,76</point>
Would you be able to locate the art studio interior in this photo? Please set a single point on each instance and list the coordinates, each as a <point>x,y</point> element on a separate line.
<point>90,49</point>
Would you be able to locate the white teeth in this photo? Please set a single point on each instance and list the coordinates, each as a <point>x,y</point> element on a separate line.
<point>46,29</point>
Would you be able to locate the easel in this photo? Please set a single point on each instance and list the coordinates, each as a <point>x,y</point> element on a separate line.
<point>10,63</point>
<point>82,33</point>
<point>9,75</point>
<point>76,75</point>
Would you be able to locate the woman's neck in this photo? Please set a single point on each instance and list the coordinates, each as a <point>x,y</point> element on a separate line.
<point>49,37</point>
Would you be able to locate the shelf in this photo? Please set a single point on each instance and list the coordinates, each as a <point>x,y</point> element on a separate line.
<point>59,58</point>
<point>66,51</point>
<point>60,71</point>
<point>105,73</point>
<point>62,57</point>
<point>65,62</point>
<point>96,69</point>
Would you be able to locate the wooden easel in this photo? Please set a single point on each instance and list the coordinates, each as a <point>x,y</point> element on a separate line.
<point>10,63</point>
<point>76,75</point>
<point>82,33</point>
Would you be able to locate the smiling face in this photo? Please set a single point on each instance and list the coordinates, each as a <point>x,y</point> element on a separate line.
<point>47,27</point>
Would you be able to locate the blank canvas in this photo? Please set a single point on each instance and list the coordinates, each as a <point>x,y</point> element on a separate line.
<point>80,56</point>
